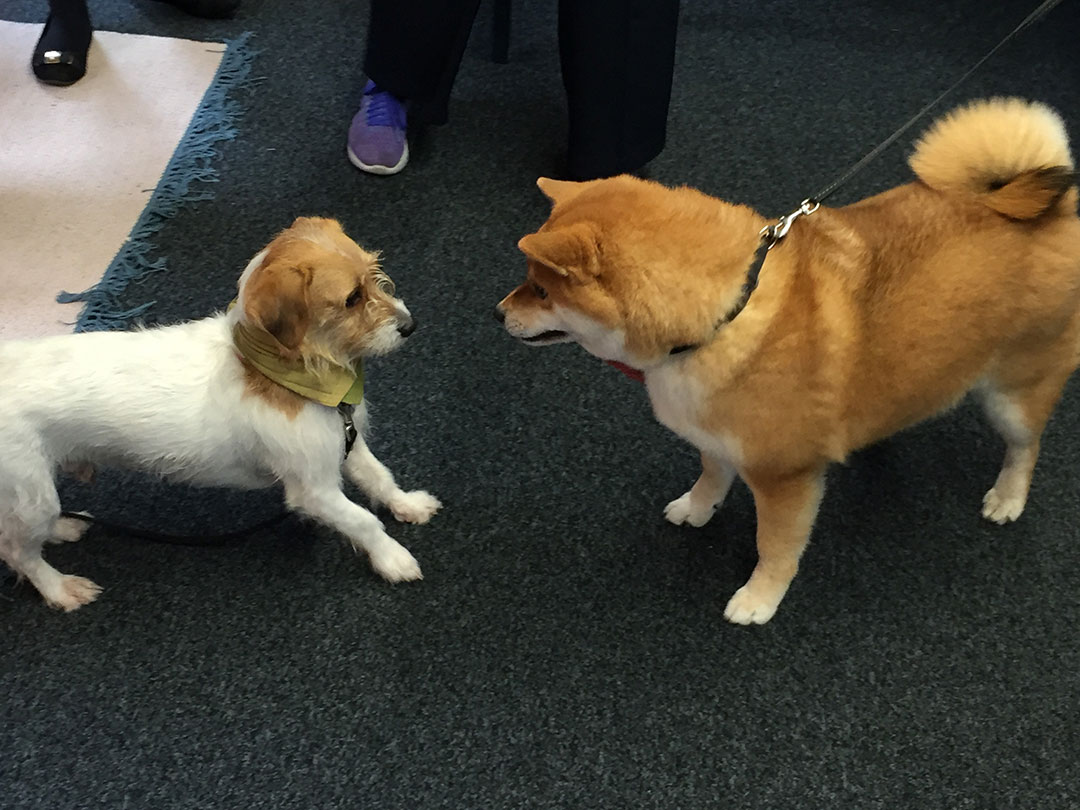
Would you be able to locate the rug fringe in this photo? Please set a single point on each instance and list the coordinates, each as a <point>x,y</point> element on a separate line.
<point>183,181</point>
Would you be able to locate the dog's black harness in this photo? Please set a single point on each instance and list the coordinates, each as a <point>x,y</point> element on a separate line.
<point>768,238</point>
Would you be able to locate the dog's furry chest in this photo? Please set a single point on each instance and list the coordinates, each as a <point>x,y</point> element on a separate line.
<point>678,402</point>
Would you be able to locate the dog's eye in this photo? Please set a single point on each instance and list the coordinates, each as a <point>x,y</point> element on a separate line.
<point>355,297</point>
<point>539,291</point>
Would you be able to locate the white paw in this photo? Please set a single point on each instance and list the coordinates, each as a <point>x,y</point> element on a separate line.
<point>68,530</point>
<point>394,563</point>
<point>1001,509</point>
<point>746,607</point>
<point>72,592</point>
<point>682,510</point>
<point>414,507</point>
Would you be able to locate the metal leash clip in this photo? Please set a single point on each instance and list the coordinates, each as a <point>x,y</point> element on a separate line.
<point>348,425</point>
<point>772,234</point>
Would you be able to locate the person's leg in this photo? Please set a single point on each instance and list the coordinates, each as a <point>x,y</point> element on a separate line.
<point>414,49</point>
<point>60,54</point>
<point>617,60</point>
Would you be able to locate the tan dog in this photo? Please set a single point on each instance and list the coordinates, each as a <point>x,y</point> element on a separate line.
<point>867,319</point>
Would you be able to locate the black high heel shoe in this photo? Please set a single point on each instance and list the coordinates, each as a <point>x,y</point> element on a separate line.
<point>60,54</point>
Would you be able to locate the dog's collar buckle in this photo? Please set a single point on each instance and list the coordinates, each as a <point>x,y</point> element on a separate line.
<point>348,425</point>
<point>772,234</point>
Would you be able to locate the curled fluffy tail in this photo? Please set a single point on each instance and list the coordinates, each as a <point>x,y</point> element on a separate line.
<point>1010,153</point>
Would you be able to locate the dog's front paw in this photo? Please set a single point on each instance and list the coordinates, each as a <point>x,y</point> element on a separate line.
<point>394,563</point>
<point>71,593</point>
<point>1001,508</point>
<point>749,606</point>
<point>683,510</point>
<point>414,507</point>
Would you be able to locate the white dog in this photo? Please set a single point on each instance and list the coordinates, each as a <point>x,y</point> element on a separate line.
<point>196,403</point>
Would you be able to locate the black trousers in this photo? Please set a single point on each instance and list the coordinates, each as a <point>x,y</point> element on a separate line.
<point>617,58</point>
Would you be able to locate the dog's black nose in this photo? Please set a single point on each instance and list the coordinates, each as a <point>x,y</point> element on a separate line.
<point>500,316</point>
<point>408,327</point>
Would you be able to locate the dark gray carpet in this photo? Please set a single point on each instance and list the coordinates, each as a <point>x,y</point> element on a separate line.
<point>566,648</point>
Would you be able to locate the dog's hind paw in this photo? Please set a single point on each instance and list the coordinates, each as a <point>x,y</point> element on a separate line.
<point>1001,509</point>
<point>72,592</point>
<point>414,507</point>
<point>682,510</point>
<point>395,564</point>
<point>68,530</point>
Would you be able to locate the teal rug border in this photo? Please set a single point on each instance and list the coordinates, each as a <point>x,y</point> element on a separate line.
<point>185,179</point>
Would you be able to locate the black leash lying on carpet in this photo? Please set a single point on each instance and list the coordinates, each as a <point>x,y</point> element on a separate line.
<point>204,540</point>
<point>8,578</point>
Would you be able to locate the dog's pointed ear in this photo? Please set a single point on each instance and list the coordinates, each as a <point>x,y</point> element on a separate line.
<point>561,190</point>
<point>573,251</point>
<point>276,299</point>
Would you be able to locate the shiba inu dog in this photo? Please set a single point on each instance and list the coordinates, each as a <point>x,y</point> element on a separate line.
<point>867,319</point>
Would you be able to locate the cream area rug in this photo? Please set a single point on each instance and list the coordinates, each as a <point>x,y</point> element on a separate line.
<point>79,164</point>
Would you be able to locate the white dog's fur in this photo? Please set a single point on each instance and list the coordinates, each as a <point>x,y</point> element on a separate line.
<point>173,401</point>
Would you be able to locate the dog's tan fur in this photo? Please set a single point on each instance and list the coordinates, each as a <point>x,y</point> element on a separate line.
<point>868,318</point>
<point>320,296</point>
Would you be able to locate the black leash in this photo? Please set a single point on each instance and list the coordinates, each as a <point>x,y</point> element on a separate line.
<point>168,538</point>
<point>1041,11</point>
<point>771,235</point>
<point>774,233</point>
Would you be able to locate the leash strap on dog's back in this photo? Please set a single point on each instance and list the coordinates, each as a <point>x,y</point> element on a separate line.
<point>772,235</point>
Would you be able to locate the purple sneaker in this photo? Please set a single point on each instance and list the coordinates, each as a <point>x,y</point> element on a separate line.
<point>377,133</point>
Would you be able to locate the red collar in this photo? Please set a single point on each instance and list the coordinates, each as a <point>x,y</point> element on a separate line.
<point>632,373</point>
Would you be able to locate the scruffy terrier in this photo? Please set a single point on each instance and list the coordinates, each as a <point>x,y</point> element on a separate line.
<point>267,392</point>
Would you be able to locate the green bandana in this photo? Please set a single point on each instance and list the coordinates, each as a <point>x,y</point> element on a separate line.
<point>336,386</point>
